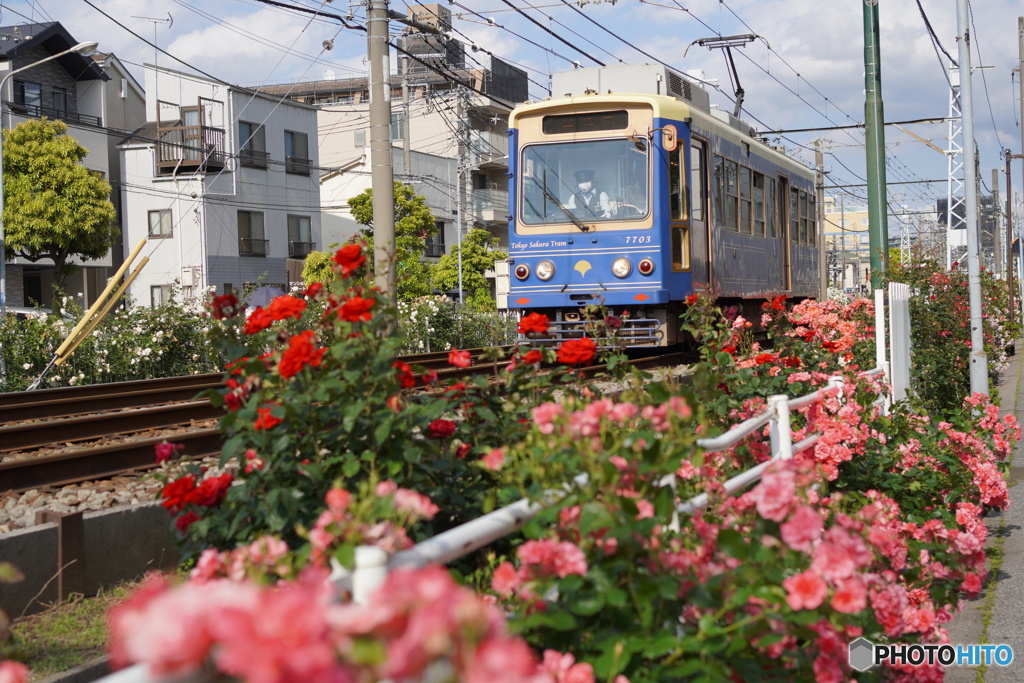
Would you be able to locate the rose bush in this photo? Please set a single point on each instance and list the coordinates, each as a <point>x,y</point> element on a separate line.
<point>874,530</point>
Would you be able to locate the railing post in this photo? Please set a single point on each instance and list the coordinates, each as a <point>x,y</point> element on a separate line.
<point>880,328</point>
<point>782,434</point>
<point>370,572</point>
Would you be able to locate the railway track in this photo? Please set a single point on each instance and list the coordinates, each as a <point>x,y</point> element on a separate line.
<point>42,420</point>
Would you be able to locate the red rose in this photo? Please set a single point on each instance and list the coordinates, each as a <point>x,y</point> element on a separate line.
<point>440,429</point>
<point>534,322</point>
<point>265,419</point>
<point>405,376</point>
<point>210,492</point>
<point>286,306</point>
<point>533,356</point>
<point>225,306</point>
<point>355,309</point>
<point>258,321</point>
<point>460,359</point>
<point>175,493</point>
<point>577,351</point>
<point>313,290</point>
<point>299,354</point>
<point>186,520</point>
<point>349,258</point>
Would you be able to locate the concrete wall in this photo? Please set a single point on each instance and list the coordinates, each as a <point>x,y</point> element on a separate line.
<point>119,544</point>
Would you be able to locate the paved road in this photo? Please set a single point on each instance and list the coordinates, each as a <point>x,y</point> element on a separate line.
<point>1001,603</point>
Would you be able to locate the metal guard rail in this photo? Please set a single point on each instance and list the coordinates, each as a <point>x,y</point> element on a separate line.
<point>372,563</point>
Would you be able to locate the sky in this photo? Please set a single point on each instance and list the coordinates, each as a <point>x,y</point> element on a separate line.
<point>804,70</point>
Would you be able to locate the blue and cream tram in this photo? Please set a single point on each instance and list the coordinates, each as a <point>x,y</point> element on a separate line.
<point>631,192</point>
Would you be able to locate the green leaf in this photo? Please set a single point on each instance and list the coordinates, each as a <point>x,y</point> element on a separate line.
<point>732,543</point>
<point>588,606</point>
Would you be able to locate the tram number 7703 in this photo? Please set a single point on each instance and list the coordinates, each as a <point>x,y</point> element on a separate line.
<point>638,239</point>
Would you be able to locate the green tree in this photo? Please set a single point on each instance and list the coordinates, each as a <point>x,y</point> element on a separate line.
<point>54,208</point>
<point>317,267</point>
<point>478,255</point>
<point>414,223</point>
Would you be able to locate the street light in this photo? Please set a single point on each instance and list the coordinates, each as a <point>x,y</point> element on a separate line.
<point>84,49</point>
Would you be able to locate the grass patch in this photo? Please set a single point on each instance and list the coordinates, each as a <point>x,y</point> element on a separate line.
<point>66,635</point>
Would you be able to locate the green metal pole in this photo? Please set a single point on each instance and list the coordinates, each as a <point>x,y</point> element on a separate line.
<point>874,133</point>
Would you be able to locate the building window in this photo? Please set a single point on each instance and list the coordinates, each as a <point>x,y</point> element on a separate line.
<point>359,138</point>
<point>160,223</point>
<point>252,145</point>
<point>30,94</point>
<point>60,102</point>
<point>434,246</point>
<point>300,240</point>
<point>251,240</point>
<point>397,126</point>
<point>296,153</point>
<point>159,295</point>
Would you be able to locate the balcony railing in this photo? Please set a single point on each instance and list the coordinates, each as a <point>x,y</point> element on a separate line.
<point>297,165</point>
<point>490,203</point>
<point>36,111</point>
<point>251,247</point>
<point>300,249</point>
<point>190,148</point>
<point>253,158</point>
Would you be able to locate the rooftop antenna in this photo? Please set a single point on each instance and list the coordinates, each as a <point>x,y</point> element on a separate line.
<point>156,20</point>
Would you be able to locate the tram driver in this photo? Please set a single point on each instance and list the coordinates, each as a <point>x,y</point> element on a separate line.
<point>589,200</point>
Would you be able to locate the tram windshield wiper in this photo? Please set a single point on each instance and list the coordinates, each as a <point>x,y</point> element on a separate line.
<point>576,221</point>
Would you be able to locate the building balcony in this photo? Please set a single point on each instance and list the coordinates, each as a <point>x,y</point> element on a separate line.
<point>298,165</point>
<point>189,148</point>
<point>490,205</point>
<point>252,247</point>
<point>300,249</point>
<point>253,158</point>
<point>35,111</point>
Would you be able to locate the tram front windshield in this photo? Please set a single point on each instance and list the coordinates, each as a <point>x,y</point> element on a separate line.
<point>593,181</point>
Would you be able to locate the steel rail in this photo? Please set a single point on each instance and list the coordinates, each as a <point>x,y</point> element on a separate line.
<point>87,464</point>
<point>41,434</point>
<point>65,406</point>
<point>90,391</point>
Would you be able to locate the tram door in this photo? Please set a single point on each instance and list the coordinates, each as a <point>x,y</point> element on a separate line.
<point>784,214</point>
<point>700,239</point>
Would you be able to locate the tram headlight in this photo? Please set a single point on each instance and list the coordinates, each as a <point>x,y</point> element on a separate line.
<point>545,270</point>
<point>522,271</point>
<point>621,267</point>
<point>646,266</point>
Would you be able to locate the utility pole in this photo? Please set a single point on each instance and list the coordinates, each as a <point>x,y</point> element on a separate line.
<point>819,184</point>
<point>462,177</point>
<point>406,143</point>
<point>382,171</point>
<point>1009,238</point>
<point>997,227</point>
<point>979,359</point>
<point>874,134</point>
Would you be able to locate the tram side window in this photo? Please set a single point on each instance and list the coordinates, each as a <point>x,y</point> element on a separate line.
<point>812,232</point>
<point>794,215</point>
<point>770,210</point>
<point>719,191</point>
<point>732,199</point>
<point>676,190</point>
<point>759,204</point>
<point>744,199</point>
<point>696,183</point>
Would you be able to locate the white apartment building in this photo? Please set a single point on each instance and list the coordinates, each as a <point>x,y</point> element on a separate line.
<point>222,182</point>
<point>99,101</point>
